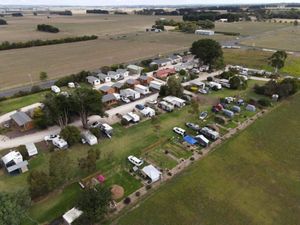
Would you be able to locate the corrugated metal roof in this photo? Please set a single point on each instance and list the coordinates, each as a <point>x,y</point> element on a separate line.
<point>21,118</point>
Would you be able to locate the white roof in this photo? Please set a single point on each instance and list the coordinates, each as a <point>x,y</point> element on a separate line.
<point>141,87</point>
<point>106,126</point>
<point>134,67</point>
<point>173,98</point>
<point>31,149</point>
<point>156,82</point>
<point>72,215</point>
<point>147,111</point>
<point>13,155</point>
<point>152,172</point>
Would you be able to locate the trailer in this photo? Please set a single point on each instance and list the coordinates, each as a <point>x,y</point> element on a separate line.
<point>60,143</point>
<point>142,89</point>
<point>216,85</point>
<point>134,117</point>
<point>209,133</point>
<point>106,129</point>
<point>89,138</point>
<point>166,106</point>
<point>155,85</point>
<point>178,102</point>
<point>228,113</point>
<point>203,141</point>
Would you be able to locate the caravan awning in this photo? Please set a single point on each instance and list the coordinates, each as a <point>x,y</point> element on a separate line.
<point>190,140</point>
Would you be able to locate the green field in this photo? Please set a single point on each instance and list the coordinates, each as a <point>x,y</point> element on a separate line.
<point>251,179</point>
<point>259,60</point>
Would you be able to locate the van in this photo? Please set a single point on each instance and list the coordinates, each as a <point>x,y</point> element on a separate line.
<point>135,161</point>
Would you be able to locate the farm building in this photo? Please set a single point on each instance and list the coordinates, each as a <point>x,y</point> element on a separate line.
<point>123,73</point>
<point>152,173</point>
<point>145,80</point>
<point>93,80</point>
<point>129,93</point>
<point>13,162</point>
<point>31,149</point>
<point>22,121</point>
<point>142,89</point>
<point>164,73</point>
<point>155,85</point>
<point>178,102</point>
<point>204,32</point>
<point>134,69</point>
<point>105,89</point>
<point>110,99</point>
<point>104,77</point>
<point>70,216</point>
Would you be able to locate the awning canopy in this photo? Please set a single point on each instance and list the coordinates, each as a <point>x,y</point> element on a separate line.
<point>190,140</point>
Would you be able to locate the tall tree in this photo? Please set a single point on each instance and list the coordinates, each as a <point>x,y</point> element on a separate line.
<point>58,108</point>
<point>13,207</point>
<point>88,164</point>
<point>277,60</point>
<point>87,102</point>
<point>43,76</point>
<point>94,203</point>
<point>71,134</point>
<point>209,52</point>
<point>59,168</point>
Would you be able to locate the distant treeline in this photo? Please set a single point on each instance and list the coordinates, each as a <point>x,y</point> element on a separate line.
<point>47,28</point>
<point>160,12</point>
<point>213,16</point>
<point>14,45</point>
<point>289,14</point>
<point>3,22</point>
<point>62,13</point>
<point>120,13</point>
<point>97,11</point>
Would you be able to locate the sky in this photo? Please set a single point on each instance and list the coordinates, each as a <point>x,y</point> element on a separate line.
<point>134,2</point>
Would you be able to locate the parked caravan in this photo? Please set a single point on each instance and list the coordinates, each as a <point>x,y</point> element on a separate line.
<point>135,118</point>
<point>214,135</point>
<point>216,85</point>
<point>155,85</point>
<point>228,113</point>
<point>60,143</point>
<point>166,106</point>
<point>203,141</point>
<point>89,138</point>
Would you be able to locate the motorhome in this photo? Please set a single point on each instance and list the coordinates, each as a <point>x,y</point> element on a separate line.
<point>209,133</point>
<point>166,106</point>
<point>60,143</point>
<point>89,138</point>
<point>216,85</point>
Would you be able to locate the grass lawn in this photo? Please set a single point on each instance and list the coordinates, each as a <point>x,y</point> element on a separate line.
<point>159,158</point>
<point>17,103</point>
<point>251,179</point>
<point>259,59</point>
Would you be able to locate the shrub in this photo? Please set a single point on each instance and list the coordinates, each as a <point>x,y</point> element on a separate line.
<point>148,187</point>
<point>137,194</point>
<point>124,122</point>
<point>209,79</point>
<point>264,102</point>
<point>22,149</point>
<point>192,158</point>
<point>47,28</point>
<point>71,134</point>
<point>3,22</point>
<point>96,131</point>
<point>35,89</point>
<point>127,200</point>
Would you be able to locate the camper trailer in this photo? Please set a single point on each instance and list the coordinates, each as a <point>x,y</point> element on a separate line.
<point>214,135</point>
<point>142,89</point>
<point>178,102</point>
<point>134,117</point>
<point>106,129</point>
<point>89,138</point>
<point>215,85</point>
<point>155,85</point>
<point>203,141</point>
<point>60,143</point>
<point>166,106</point>
<point>228,113</point>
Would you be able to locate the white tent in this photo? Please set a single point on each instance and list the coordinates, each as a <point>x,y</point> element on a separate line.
<point>72,215</point>
<point>31,149</point>
<point>151,172</point>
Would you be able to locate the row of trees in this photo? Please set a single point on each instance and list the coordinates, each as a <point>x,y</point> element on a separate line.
<point>213,16</point>
<point>47,28</point>
<point>285,88</point>
<point>173,87</point>
<point>14,45</point>
<point>59,109</point>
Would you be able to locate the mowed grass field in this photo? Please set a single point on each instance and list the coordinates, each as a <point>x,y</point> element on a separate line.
<point>259,59</point>
<point>251,179</point>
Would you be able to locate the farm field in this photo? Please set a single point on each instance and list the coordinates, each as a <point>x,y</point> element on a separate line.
<point>64,59</point>
<point>259,59</point>
<point>250,179</point>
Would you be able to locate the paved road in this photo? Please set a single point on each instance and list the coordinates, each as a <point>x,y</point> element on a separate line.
<point>39,136</point>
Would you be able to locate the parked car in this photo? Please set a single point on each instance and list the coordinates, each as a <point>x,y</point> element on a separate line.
<point>193,126</point>
<point>203,91</point>
<point>95,124</point>
<point>203,115</point>
<point>139,106</point>
<point>124,99</point>
<point>153,102</point>
<point>179,131</point>
<point>51,137</point>
<point>135,161</point>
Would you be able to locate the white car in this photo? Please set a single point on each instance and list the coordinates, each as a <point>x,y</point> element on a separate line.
<point>203,115</point>
<point>203,91</point>
<point>55,89</point>
<point>179,131</point>
<point>51,137</point>
<point>124,99</point>
<point>135,161</point>
<point>71,85</point>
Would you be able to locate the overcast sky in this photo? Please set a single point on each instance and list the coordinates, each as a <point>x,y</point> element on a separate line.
<point>133,2</point>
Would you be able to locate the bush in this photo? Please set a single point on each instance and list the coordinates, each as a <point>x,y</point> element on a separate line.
<point>137,194</point>
<point>22,149</point>
<point>35,89</point>
<point>124,122</point>
<point>47,28</point>
<point>3,22</point>
<point>127,201</point>
<point>264,102</point>
<point>96,131</point>
<point>71,134</point>
<point>148,187</point>
<point>192,158</point>
<point>209,79</point>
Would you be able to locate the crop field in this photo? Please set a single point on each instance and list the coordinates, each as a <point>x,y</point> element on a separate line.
<point>251,179</point>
